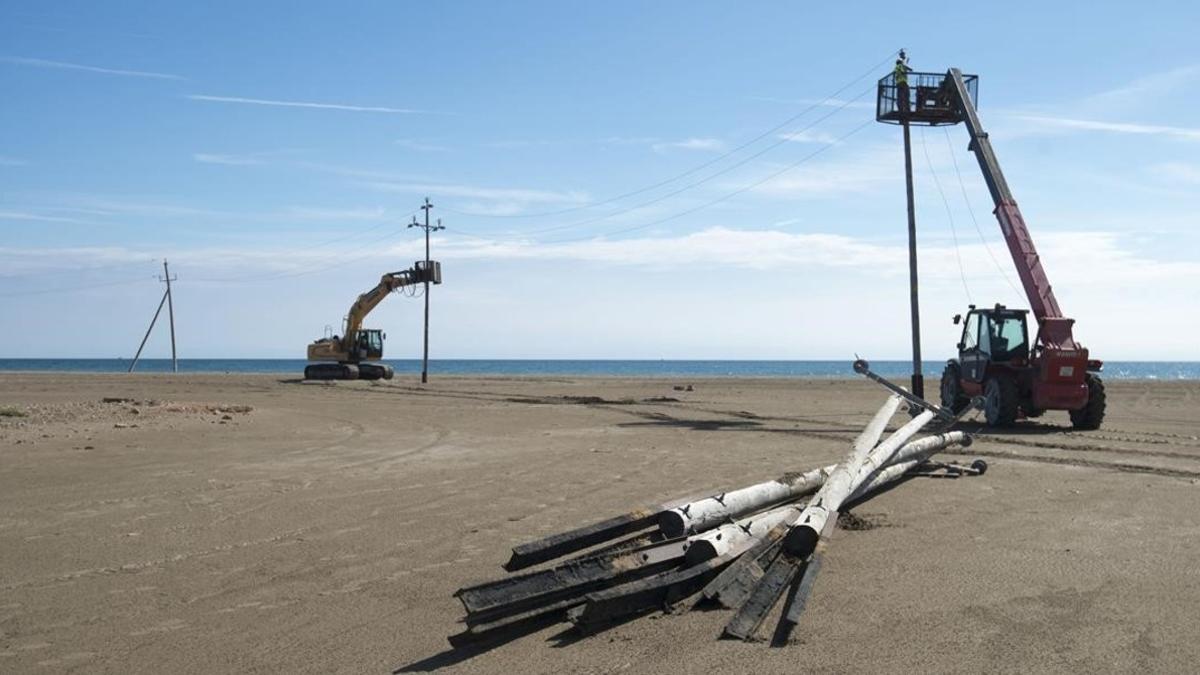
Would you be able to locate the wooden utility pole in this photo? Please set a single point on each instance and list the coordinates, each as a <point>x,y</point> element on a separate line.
<point>426,207</point>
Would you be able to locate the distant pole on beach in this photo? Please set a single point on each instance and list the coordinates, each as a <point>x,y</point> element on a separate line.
<point>166,300</point>
<point>170,315</point>
<point>426,207</point>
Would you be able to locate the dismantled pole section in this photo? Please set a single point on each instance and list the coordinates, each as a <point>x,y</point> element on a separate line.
<point>743,549</point>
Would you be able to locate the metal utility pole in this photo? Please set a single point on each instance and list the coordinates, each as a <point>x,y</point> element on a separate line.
<point>894,104</point>
<point>170,315</point>
<point>426,207</point>
<point>166,299</point>
<point>918,380</point>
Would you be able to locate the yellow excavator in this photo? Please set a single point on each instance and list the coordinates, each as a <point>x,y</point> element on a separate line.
<point>347,357</point>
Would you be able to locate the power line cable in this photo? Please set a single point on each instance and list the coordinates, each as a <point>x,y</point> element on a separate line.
<point>57,272</point>
<point>307,271</point>
<point>962,274</point>
<point>724,197</point>
<point>72,289</point>
<point>825,101</point>
<point>722,172</point>
<point>963,186</point>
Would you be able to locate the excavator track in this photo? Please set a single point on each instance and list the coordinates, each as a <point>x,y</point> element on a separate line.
<point>375,371</point>
<point>331,371</point>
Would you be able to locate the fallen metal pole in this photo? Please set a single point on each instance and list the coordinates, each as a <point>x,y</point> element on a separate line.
<point>502,603</point>
<point>862,367</point>
<point>557,545</point>
<point>702,515</point>
<point>706,513</point>
<point>806,528</point>
<point>906,458</point>
<point>516,593</point>
<point>650,593</point>
<point>733,586</point>
<point>718,542</point>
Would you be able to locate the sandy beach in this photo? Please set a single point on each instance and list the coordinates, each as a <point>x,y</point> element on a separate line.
<point>247,523</point>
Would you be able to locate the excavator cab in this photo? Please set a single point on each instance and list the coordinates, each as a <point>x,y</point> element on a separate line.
<point>368,345</point>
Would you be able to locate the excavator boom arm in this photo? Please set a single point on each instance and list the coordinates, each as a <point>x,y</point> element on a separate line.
<point>1055,328</point>
<point>369,300</point>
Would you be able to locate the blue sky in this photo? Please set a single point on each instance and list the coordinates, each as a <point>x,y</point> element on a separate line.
<point>273,152</point>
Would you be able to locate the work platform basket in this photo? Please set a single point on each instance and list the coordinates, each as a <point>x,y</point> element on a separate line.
<point>927,101</point>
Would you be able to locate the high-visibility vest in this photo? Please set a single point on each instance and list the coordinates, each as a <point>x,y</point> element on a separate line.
<point>901,74</point>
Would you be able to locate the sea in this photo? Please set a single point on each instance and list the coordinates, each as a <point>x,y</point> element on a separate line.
<point>1120,370</point>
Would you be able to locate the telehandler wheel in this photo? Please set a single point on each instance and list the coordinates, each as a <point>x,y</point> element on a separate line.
<point>953,398</point>
<point>1091,415</point>
<point>1000,401</point>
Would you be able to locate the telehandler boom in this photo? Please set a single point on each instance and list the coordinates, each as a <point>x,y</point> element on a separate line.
<point>996,358</point>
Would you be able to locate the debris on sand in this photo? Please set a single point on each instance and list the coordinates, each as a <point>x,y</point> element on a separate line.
<point>742,549</point>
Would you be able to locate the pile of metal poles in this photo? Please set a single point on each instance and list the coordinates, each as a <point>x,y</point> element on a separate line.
<point>742,549</point>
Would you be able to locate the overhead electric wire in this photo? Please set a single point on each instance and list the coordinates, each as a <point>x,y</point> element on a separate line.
<point>58,272</point>
<point>963,186</point>
<point>962,273</point>
<point>76,288</point>
<point>821,102</point>
<point>711,176</point>
<point>304,272</point>
<point>722,198</point>
<point>282,275</point>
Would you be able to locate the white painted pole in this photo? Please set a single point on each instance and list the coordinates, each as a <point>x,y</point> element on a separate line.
<point>718,541</point>
<point>906,458</point>
<point>707,513</point>
<point>806,528</point>
<point>721,540</point>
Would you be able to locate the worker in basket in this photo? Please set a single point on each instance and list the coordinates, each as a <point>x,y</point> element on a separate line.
<point>901,72</point>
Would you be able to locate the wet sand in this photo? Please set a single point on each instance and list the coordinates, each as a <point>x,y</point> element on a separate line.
<point>257,524</point>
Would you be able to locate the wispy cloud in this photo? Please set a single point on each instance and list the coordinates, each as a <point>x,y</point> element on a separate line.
<point>1178,172</point>
<point>12,161</point>
<point>810,137</point>
<point>630,140</point>
<point>705,144</point>
<point>63,65</point>
<point>1188,133</point>
<point>230,160</point>
<point>40,218</point>
<point>519,144</point>
<point>491,193</point>
<point>825,103</point>
<point>305,104</point>
<point>420,146</point>
<point>318,213</point>
<point>1144,90</point>
<point>859,172</point>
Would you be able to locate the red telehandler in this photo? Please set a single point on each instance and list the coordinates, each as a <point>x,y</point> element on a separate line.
<point>996,359</point>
